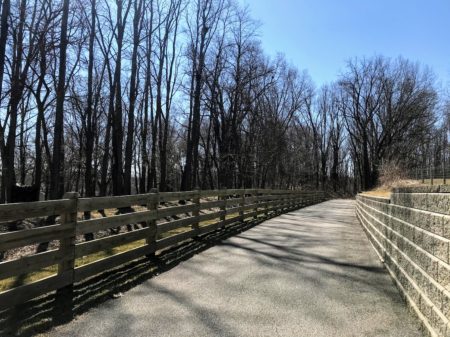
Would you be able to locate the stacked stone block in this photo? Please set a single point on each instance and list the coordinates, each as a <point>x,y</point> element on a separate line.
<point>411,234</point>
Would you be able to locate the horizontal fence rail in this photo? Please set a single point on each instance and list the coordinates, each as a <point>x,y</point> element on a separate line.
<point>120,229</point>
<point>430,175</point>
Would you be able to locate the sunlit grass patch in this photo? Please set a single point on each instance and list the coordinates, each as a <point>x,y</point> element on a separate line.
<point>16,281</point>
<point>383,193</point>
<point>108,252</point>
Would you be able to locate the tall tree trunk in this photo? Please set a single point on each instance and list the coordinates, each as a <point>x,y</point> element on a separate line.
<point>40,106</point>
<point>106,153</point>
<point>133,93</point>
<point>22,148</point>
<point>6,7</point>
<point>90,137</point>
<point>57,176</point>
<point>191,168</point>
<point>117,127</point>
<point>3,39</point>
<point>334,168</point>
<point>17,87</point>
<point>38,151</point>
<point>159,111</point>
<point>366,178</point>
<point>170,83</point>
<point>148,105</point>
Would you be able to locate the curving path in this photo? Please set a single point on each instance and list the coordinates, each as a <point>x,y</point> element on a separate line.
<point>311,272</point>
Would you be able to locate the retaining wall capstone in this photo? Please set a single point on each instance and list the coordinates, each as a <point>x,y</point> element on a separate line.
<point>411,234</point>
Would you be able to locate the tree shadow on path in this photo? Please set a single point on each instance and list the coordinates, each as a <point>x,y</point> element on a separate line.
<point>39,315</point>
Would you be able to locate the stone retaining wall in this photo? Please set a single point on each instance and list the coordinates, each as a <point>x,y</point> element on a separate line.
<point>411,234</point>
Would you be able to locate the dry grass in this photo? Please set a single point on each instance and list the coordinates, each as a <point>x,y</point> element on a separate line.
<point>385,189</point>
<point>378,193</point>
<point>393,175</point>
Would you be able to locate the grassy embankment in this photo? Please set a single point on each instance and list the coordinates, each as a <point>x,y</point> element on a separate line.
<point>386,189</point>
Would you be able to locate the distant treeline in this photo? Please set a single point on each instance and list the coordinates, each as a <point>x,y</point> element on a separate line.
<point>119,97</point>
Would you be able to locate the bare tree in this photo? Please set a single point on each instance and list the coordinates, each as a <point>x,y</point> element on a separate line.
<point>57,176</point>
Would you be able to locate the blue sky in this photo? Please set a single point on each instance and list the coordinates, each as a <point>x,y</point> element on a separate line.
<point>320,35</point>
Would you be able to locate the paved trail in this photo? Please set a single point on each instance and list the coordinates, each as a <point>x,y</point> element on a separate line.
<point>311,272</point>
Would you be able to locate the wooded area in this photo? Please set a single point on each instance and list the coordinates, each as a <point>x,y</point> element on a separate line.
<point>119,97</point>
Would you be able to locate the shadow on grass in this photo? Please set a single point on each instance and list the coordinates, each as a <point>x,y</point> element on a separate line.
<point>43,313</point>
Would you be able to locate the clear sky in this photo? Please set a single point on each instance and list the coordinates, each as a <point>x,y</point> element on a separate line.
<point>320,35</point>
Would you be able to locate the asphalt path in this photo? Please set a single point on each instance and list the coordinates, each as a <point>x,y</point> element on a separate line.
<point>310,272</point>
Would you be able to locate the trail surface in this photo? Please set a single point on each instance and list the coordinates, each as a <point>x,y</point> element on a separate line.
<point>310,272</point>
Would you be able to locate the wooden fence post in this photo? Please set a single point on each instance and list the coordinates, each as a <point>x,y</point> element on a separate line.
<point>276,202</point>
<point>223,208</point>
<point>431,168</point>
<point>196,212</point>
<point>292,200</point>
<point>282,202</point>
<point>287,202</point>
<point>242,204</point>
<point>256,195</point>
<point>267,200</point>
<point>152,205</point>
<point>444,177</point>
<point>66,268</point>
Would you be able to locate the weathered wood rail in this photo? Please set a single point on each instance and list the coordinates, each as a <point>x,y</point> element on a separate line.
<point>158,225</point>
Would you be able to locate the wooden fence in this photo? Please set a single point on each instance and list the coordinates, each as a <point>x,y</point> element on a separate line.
<point>155,222</point>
